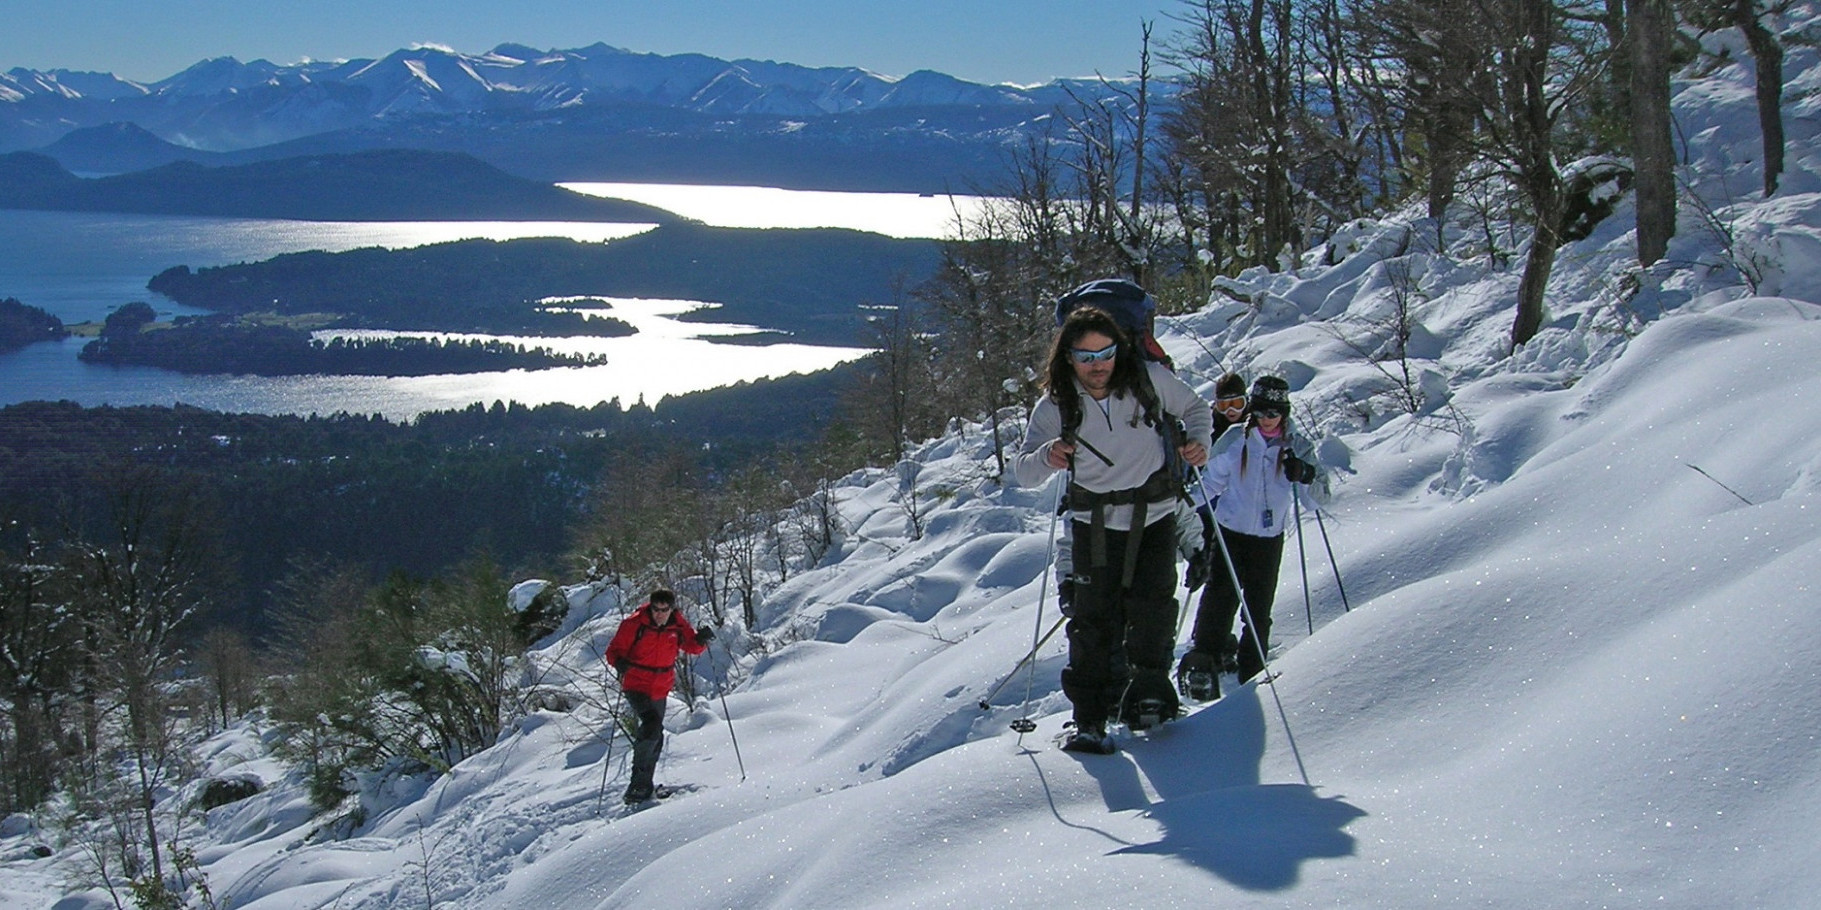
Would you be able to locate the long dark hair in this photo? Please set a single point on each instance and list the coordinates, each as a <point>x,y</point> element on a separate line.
<point>1128,367</point>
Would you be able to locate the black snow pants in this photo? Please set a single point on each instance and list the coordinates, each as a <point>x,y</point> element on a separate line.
<point>1121,639</point>
<point>649,742</point>
<point>1255,561</point>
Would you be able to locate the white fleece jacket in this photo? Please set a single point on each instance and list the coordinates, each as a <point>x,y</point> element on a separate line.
<point>1117,431</point>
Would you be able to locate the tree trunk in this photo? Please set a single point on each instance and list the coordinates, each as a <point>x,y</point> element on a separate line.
<point>1533,125</point>
<point>1767,53</point>
<point>1650,25</point>
<point>1538,264</point>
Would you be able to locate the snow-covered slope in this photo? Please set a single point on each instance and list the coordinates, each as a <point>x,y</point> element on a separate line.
<point>1582,665</point>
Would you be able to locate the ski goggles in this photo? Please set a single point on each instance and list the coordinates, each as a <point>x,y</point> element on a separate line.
<point>1102,355</point>
<point>1230,404</point>
<point>1268,412</point>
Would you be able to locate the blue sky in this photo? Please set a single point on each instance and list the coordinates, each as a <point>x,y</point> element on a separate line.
<point>981,40</point>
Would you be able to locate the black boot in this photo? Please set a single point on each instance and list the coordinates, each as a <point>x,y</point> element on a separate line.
<point>1228,655</point>
<point>1149,699</point>
<point>1091,739</point>
<point>1196,676</point>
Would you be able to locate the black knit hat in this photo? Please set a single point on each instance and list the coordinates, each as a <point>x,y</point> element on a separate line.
<point>1270,392</point>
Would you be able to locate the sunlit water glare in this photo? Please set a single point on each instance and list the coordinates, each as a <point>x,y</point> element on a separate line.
<point>891,214</point>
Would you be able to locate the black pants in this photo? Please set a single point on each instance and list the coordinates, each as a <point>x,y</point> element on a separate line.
<point>649,740</point>
<point>1255,560</point>
<point>1121,639</point>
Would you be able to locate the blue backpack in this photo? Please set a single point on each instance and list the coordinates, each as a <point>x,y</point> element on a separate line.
<point>1129,306</point>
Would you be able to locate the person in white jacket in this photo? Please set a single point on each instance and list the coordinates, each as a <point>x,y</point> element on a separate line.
<point>1109,418</point>
<point>1255,468</point>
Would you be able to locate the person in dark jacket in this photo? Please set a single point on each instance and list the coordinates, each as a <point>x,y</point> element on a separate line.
<point>1229,402</point>
<point>644,654</point>
<point>1196,536</point>
<point>1202,553</point>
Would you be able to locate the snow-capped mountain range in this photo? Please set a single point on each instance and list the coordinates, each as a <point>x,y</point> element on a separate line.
<point>224,104</point>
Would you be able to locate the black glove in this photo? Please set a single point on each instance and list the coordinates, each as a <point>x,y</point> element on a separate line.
<point>1298,470</point>
<point>619,667</point>
<point>1199,566</point>
<point>1065,595</point>
<point>705,634</point>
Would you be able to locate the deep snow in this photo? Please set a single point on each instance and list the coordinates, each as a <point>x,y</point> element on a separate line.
<point>1582,666</point>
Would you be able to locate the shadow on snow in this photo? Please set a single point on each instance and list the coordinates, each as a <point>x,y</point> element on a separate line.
<point>1215,810</point>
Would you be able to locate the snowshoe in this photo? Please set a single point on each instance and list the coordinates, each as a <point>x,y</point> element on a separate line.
<point>638,798</point>
<point>1091,740</point>
<point>1150,699</point>
<point>1197,676</point>
<point>1146,713</point>
<point>1201,685</point>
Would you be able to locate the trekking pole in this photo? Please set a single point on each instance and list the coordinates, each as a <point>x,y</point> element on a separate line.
<point>1302,558</point>
<point>985,700</point>
<point>1323,527</point>
<point>721,688</point>
<point>1024,724</point>
<point>1257,639</point>
<point>607,760</point>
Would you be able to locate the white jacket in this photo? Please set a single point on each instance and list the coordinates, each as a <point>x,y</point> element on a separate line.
<point>1256,501</point>
<point>1118,432</point>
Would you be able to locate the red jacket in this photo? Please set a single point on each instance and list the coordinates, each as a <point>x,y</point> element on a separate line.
<point>646,653</point>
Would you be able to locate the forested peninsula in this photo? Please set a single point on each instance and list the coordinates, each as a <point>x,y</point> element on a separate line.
<point>809,283</point>
<point>21,325</point>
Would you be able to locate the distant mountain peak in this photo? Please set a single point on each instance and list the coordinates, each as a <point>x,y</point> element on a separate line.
<point>509,104</point>
<point>520,52</point>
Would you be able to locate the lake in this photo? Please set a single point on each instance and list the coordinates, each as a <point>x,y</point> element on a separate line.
<point>82,266</point>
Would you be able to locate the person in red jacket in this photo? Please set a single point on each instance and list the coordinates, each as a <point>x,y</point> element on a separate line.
<point>644,654</point>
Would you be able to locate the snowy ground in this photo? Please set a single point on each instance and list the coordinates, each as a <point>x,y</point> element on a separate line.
<point>1582,666</point>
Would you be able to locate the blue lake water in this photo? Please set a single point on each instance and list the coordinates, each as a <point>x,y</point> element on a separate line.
<point>81,266</point>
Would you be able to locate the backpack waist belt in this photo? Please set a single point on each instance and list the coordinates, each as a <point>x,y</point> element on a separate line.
<point>1159,487</point>
<point>649,668</point>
